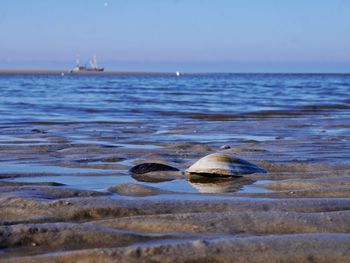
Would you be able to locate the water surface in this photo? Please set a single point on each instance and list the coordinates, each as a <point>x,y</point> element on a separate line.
<point>70,125</point>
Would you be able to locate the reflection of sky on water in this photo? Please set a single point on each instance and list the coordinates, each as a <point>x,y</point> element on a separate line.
<point>15,167</point>
<point>101,183</point>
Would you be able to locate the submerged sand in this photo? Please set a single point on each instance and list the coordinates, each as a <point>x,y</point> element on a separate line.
<point>299,212</point>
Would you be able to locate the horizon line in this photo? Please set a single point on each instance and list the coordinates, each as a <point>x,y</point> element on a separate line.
<point>132,72</point>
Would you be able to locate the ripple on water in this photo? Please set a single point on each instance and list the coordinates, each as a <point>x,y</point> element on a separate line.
<point>14,167</point>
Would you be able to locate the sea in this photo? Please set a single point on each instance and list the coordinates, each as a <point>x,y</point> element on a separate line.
<point>167,98</point>
<point>66,126</point>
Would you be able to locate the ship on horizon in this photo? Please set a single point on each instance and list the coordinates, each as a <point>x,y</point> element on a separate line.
<point>92,67</point>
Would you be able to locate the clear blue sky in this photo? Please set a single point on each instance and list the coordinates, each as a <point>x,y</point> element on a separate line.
<point>188,35</point>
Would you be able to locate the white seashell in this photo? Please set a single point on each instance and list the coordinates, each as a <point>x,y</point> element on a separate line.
<point>218,164</point>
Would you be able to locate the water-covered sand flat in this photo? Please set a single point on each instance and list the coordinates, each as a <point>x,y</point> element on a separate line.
<point>298,211</point>
<point>66,193</point>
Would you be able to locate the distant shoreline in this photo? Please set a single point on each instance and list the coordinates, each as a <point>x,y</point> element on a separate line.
<point>68,72</point>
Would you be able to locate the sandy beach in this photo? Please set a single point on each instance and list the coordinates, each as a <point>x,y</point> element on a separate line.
<point>298,211</point>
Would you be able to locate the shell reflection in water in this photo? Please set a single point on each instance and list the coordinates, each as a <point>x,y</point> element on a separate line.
<point>218,164</point>
<point>217,185</point>
<point>154,172</point>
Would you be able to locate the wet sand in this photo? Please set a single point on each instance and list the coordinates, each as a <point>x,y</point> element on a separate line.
<point>297,212</point>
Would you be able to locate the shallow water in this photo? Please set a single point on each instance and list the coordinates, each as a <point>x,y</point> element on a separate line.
<point>66,126</point>
<point>17,167</point>
<point>101,183</point>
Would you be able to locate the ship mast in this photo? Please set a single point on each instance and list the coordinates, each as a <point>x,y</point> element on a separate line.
<point>93,62</point>
<point>77,62</point>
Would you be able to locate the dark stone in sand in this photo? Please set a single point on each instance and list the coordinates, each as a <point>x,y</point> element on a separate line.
<point>151,167</point>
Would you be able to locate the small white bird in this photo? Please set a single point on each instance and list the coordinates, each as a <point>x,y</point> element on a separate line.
<point>106,4</point>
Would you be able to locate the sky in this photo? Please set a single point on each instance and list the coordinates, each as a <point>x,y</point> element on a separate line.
<point>185,35</point>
